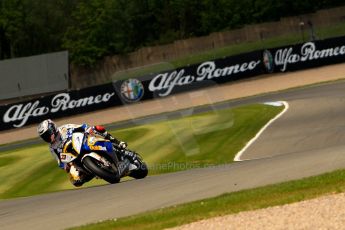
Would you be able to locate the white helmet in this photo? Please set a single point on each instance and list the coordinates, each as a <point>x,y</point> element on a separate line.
<point>46,129</point>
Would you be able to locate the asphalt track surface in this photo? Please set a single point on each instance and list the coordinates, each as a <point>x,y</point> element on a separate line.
<point>307,140</point>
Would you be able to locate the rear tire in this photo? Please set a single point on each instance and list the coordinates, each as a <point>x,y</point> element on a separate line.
<point>109,175</point>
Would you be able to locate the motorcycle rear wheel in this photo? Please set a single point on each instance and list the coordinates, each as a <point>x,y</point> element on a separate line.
<point>107,174</point>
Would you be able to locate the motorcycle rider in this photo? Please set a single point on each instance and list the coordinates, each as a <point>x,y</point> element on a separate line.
<point>58,136</point>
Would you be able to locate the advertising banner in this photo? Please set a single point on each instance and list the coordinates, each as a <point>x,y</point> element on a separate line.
<point>58,105</point>
<point>304,56</point>
<point>209,73</point>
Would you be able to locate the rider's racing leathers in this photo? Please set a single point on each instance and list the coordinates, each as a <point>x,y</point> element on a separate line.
<point>64,134</point>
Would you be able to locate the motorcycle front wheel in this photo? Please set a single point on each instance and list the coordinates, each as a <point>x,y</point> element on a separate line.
<point>99,169</point>
<point>141,172</point>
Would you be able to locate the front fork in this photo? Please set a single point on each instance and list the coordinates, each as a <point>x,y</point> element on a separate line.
<point>123,167</point>
<point>122,162</point>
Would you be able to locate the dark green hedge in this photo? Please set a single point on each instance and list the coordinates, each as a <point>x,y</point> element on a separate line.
<point>90,29</point>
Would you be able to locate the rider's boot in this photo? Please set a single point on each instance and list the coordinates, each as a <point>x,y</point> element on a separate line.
<point>77,177</point>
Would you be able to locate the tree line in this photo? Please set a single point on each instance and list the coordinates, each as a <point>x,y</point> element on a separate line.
<point>92,29</point>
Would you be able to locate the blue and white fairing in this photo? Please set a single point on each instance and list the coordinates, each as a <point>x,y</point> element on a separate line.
<point>83,143</point>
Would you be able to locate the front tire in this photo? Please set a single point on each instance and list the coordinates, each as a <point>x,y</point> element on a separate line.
<point>141,172</point>
<point>107,174</point>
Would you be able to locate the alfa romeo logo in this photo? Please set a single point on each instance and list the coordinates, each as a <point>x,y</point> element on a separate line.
<point>268,61</point>
<point>132,90</point>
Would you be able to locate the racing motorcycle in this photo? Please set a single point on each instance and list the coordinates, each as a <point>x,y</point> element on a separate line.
<point>96,156</point>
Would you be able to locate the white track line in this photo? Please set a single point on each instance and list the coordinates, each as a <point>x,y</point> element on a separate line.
<point>239,154</point>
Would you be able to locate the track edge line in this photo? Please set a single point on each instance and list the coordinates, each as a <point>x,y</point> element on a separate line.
<point>240,153</point>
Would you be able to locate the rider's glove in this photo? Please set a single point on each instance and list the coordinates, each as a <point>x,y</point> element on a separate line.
<point>109,137</point>
<point>122,145</point>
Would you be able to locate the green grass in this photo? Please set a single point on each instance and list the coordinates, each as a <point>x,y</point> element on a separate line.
<point>197,141</point>
<point>321,32</point>
<point>273,195</point>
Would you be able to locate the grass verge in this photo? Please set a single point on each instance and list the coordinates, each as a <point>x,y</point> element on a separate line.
<point>273,195</point>
<point>193,141</point>
<point>199,140</point>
